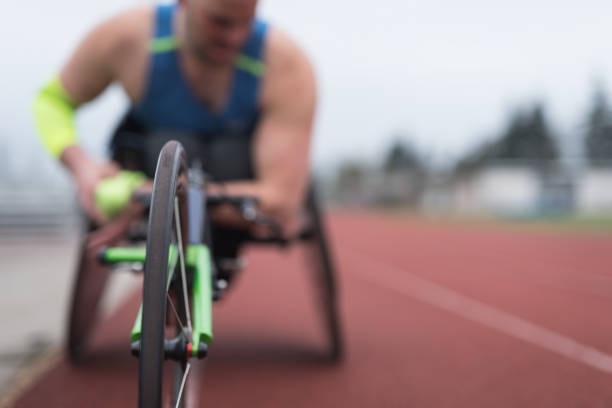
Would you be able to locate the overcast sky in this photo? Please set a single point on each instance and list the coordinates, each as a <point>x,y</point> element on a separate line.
<point>445,73</point>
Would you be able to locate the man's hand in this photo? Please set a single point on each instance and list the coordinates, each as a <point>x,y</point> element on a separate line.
<point>87,178</point>
<point>286,213</point>
<point>87,174</point>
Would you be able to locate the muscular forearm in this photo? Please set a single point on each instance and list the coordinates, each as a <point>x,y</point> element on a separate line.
<point>74,159</point>
<point>271,199</point>
<point>284,207</point>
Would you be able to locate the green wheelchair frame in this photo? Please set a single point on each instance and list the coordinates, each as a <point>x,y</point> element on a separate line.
<point>181,274</point>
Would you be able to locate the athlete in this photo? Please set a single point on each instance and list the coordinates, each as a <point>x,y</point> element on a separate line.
<point>207,68</point>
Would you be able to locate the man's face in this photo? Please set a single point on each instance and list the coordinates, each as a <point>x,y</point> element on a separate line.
<point>217,29</point>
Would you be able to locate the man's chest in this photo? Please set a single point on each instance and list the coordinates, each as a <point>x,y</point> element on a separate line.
<point>213,90</point>
<point>211,87</point>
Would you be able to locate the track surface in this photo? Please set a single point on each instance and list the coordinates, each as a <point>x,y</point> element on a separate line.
<point>435,315</point>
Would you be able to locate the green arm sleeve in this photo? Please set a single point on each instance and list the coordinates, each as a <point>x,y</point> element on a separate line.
<point>54,114</point>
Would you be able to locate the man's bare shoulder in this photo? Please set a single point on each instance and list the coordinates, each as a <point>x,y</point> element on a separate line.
<point>126,31</point>
<point>286,65</point>
<point>115,49</point>
<point>282,53</point>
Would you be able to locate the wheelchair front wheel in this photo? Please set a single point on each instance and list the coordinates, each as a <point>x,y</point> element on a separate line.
<point>164,312</point>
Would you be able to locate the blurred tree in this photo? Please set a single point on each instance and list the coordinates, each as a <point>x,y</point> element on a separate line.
<point>527,138</point>
<point>598,134</point>
<point>351,174</point>
<point>404,175</point>
<point>350,179</point>
<point>402,156</point>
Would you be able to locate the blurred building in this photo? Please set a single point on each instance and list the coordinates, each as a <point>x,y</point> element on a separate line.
<point>593,193</point>
<point>515,188</point>
<point>366,187</point>
<point>36,196</point>
<point>523,189</point>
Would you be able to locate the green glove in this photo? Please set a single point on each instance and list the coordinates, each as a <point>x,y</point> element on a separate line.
<point>113,194</point>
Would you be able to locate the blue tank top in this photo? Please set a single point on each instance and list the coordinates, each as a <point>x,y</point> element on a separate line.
<point>169,103</point>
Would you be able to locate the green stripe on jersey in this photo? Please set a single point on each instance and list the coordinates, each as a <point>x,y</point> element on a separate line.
<point>162,44</point>
<point>251,65</point>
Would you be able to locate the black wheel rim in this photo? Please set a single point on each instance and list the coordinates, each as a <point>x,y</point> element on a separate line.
<point>169,193</point>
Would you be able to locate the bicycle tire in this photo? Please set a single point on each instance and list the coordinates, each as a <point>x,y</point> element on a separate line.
<point>87,290</point>
<point>170,183</point>
<point>325,277</point>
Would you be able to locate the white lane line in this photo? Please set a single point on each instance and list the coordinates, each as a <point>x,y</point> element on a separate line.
<point>29,375</point>
<point>383,274</point>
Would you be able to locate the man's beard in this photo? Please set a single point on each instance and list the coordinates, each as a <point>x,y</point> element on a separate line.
<point>199,51</point>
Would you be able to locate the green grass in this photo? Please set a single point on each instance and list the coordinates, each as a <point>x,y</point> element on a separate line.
<point>591,223</point>
<point>598,224</point>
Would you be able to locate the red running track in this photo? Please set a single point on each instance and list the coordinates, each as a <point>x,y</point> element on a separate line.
<point>435,315</point>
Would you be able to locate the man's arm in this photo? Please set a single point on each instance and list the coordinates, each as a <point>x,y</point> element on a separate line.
<point>93,66</point>
<point>282,140</point>
<point>100,59</point>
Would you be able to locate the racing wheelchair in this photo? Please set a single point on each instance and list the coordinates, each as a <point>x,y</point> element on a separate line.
<point>188,263</point>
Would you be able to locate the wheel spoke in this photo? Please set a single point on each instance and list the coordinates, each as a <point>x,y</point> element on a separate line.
<point>180,393</point>
<point>176,315</point>
<point>179,238</point>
